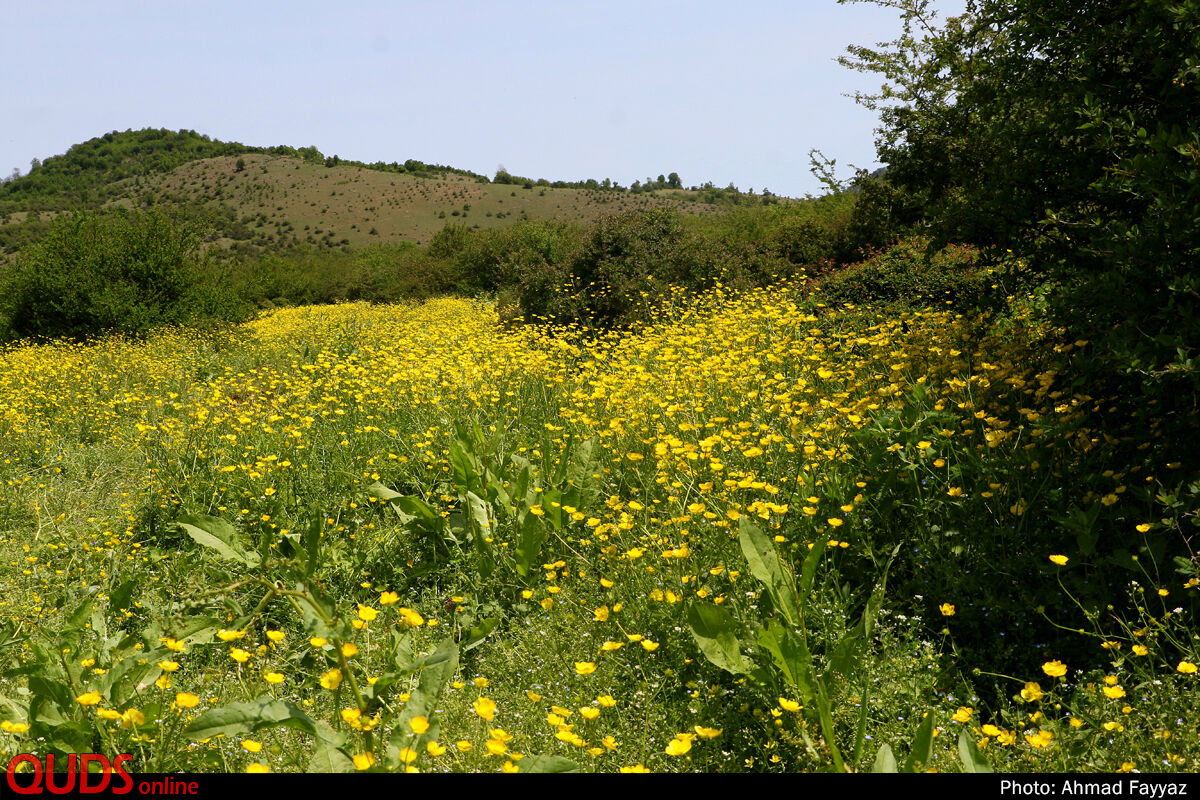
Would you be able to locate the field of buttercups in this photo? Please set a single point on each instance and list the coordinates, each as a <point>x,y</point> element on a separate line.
<point>758,533</point>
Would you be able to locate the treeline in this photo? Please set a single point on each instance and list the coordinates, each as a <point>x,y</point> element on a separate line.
<point>704,193</point>
<point>128,270</point>
<point>88,173</point>
<point>1071,141</point>
<point>671,181</point>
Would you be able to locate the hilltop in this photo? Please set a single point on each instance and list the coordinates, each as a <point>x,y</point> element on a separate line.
<point>267,198</point>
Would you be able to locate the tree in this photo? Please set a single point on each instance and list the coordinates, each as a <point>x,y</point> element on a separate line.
<point>1069,132</point>
<point>119,271</point>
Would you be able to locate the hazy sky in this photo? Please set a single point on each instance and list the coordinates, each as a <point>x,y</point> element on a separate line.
<point>728,92</point>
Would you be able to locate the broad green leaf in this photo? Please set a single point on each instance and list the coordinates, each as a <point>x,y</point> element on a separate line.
<point>329,759</point>
<point>217,534</point>
<point>242,718</point>
<point>808,571</point>
<point>498,496</point>
<point>552,501</point>
<point>80,616</point>
<point>74,737</point>
<point>402,654</point>
<point>98,623</point>
<point>329,755</point>
<point>715,632</point>
<point>547,764</point>
<point>581,471</point>
<point>827,731</point>
<point>771,640</point>
<point>198,630</point>
<point>478,509</point>
<point>121,683</point>
<point>860,734</point>
<point>478,633</point>
<point>765,565</point>
<point>791,655</point>
<point>464,465</point>
<point>480,513</point>
<point>885,761</point>
<point>437,669</point>
<point>922,748</point>
<point>968,753</point>
<point>421,513</point>
<point>121,598</point>
<point>46,711</point>
<point>521,484</point>
<point>844,662</point>
<point>377,489</point>
<point>533,533</point>
<point>312,547</point>
<point>314,623</point>
<point>56,691</point>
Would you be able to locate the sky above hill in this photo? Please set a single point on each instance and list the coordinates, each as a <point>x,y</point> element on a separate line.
<point>559,89</point>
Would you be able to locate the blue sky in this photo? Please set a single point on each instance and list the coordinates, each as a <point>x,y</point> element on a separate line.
<point>728,92</point>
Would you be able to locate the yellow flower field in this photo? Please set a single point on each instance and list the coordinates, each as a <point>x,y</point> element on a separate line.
<point>441,543</point>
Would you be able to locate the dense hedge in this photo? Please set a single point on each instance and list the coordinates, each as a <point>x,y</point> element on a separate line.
<point>128,270</point>
<point>912,272</point>
<point>119,271</point>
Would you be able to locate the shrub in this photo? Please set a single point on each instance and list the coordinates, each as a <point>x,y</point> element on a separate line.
<point>912,272</point>
<point>120,271</point>
<point>626,263</point>
<point>488,261</point>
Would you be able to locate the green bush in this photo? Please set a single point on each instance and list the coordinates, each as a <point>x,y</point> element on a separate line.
<point>307,276</point>
<point>627,263</point>
<point>488,261</point>
<point>113,272</point>
<point>911,272</point>
<point>882,214</point>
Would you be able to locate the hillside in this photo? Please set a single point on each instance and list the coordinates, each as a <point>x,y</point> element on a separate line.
<point>279,200</point>
<point>269,198</point>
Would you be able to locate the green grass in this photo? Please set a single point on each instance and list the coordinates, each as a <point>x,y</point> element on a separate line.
<point>756,534</point>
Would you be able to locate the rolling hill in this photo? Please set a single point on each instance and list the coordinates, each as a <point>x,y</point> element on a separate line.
<point>275,198</point>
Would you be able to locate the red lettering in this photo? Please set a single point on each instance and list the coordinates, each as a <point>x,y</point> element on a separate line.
<point>36,786</point>
<point>119,767</point>
<point>70,785</point>
<point>105,770</point>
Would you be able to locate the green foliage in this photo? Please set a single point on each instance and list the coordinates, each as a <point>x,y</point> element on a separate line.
<point>306,276</point>
<point>882,214</point>
<point>120,271</point>
<point>627,263</point>
<point>15,236</point>
<point>85,175</point>
<point>1072,139</point>
<point>487,261</point>
<point>92,172</point>
<point>915,273</point>
<point>810,233</point>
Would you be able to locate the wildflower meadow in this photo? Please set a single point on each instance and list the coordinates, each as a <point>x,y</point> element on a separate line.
<point>758,532</point>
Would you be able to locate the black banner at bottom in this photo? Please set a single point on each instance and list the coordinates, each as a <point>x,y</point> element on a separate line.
<point>1133,786</point>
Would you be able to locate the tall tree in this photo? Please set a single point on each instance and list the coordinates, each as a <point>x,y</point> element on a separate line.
<point>1069,132</point>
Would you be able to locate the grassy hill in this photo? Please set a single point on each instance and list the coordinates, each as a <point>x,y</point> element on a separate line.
<point>270,198</point>
<point>284,200</point>
<point>255,227</point>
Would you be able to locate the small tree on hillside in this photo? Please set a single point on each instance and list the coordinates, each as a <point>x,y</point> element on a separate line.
<point>121,271</point>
